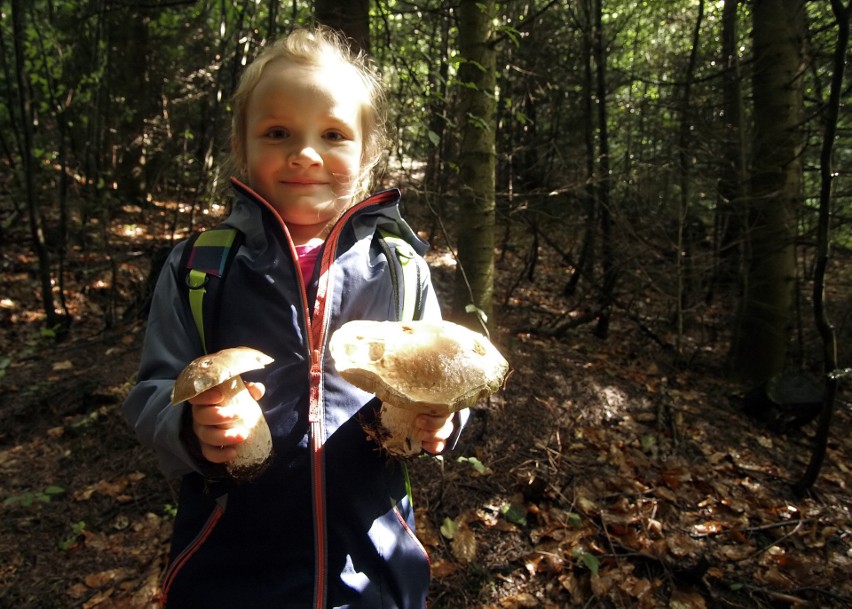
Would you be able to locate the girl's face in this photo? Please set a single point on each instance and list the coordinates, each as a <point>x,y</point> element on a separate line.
<point>304,144</point>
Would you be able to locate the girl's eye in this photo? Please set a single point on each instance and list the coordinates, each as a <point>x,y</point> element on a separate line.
<point>276,134</point>
<point>335,136</point>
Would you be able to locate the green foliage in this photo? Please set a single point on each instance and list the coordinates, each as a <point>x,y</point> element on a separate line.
<point>449,528</point>
<point>29,498</point>
<point>590,561</point>
<point>134,101</point>
<point>69,542</point>
<point>514,513</point>
<point>476,464</point>
<point>574,519</point>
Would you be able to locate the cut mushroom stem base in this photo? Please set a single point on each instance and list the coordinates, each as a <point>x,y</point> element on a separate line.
<point>253,454</point>
<point>400,437</point>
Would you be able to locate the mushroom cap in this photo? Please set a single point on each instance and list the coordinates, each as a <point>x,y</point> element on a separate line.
<point>213,369</point>
<point>427,366</point>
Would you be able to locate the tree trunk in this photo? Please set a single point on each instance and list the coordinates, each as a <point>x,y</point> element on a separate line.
<point>29,167</point>
<point>435,174</point>
<point>585,263</point>
<point>761,345</point>
<point>683,255</point>
<point>352,17</point>
<point>474,284</point>
<point>607,296</point>
<point>732,181</point>
<point>131,56</point>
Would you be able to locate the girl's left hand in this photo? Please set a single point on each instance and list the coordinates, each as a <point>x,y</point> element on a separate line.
<point>433,431</point>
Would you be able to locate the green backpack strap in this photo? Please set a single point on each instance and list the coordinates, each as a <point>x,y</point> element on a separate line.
<point>411,307</point>
<point>408,275</point>
<point>206,260</point>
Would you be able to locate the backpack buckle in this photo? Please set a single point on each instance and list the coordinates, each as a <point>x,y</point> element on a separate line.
<point>197,280</point>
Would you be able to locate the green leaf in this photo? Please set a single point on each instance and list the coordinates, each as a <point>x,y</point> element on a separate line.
<point>590,561</point>
<point>434,138</point>
<point>54,491</point>
<point>475,464</point>
<point>70,541</point>
<point>449,528</point>
<point>574,519</point>
<point>515,514</point>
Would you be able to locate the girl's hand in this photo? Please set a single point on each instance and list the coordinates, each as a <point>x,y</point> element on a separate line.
<point>433,431</point>
<point>218,428</point>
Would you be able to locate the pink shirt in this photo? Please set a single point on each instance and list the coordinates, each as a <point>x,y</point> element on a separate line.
<point>307,259</point>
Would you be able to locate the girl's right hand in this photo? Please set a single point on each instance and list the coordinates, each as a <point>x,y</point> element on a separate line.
<point>219,428</point>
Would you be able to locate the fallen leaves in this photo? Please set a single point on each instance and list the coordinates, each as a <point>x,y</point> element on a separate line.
<point>617,514</point>
<point>110,488</point>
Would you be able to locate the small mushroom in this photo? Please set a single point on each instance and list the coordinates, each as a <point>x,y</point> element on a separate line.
<point>416,367</point>
<point>222,370</point>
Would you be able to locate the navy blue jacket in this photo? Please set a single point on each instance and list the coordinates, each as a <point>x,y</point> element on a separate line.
<point>329,523</point>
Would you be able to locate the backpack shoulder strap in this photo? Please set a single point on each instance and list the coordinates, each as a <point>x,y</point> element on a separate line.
<point>406,274</point>
<point>205,263</point>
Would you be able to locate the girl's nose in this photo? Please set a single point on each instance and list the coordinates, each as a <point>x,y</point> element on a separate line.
<point>305,154</point>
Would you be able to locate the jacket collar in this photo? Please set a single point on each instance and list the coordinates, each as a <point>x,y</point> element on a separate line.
<point>254,216</point>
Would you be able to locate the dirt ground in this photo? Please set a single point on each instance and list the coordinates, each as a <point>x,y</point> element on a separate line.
<point>601,476</point>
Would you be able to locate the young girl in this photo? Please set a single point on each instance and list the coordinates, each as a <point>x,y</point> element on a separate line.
<point>328,524</point>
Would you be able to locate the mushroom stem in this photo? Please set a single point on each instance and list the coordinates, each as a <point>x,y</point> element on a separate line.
<point>400,437</point>
<point>253,453</point>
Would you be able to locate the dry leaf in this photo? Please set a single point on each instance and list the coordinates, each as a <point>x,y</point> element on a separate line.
<point>682,545</point>
<point>736,553</point>
<point>687,600</point>
<point>427,533</point>
<point>516,601</point>
<point>100,580</point>
<point>443,568</point>
<point>708,528</point>
<point>463,546</point>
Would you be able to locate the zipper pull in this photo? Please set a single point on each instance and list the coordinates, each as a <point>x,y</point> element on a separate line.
<point>316,377</point>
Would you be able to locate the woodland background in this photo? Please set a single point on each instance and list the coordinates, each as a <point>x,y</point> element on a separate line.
<point>647,204</point>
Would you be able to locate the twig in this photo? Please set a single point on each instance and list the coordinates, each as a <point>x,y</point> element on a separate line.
<point>762,527</point>
<point>777,525</point>
<point>774,543</point>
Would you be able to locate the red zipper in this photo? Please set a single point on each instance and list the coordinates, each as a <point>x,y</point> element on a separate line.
<point>189,551</point>
<point>411,533</point>
<point>316,337</point>
<point>319,329</point>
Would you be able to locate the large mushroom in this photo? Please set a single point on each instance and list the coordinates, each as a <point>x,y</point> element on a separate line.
<point>222,370</point>
<point>433,367</point>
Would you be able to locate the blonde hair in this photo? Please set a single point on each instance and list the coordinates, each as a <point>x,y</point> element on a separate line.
<point>318,47</point>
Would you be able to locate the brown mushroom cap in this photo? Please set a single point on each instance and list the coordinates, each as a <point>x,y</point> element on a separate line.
<point>213,369</point>
<point>419,365</point>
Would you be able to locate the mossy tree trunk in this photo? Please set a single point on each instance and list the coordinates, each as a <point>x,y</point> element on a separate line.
<point>474,285</point>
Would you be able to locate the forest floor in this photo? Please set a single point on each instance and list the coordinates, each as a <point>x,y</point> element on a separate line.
<point>603,475</point>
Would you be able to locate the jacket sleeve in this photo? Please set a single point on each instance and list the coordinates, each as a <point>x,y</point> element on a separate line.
<point>171,342</point>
